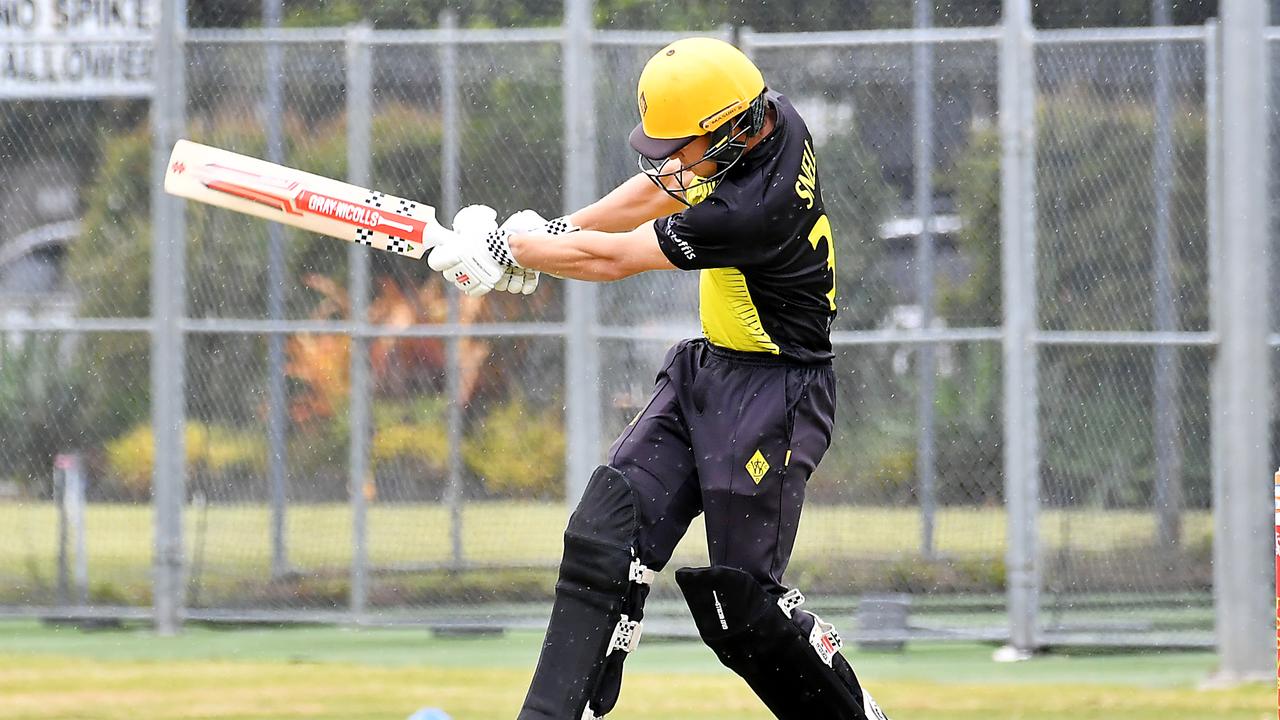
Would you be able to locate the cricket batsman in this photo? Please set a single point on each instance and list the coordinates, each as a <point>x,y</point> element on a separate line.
<point>739,418</point>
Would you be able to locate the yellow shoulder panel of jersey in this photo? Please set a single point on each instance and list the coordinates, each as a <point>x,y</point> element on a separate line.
<point>729,317</point>
<point>699,191</point>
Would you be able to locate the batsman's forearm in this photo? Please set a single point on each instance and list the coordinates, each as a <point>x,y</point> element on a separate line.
<point>628,206</point>
<point>582,255</point>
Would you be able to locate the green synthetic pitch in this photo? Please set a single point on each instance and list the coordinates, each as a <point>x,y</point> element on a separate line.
<point>361,674</point>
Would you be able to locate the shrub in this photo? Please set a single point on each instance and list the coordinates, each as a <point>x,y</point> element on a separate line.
<point>519,451</point>
<point>410,447</point>
<point>210,450</point>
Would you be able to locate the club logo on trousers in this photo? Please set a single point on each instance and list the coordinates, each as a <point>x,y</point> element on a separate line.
<point>757,466</point>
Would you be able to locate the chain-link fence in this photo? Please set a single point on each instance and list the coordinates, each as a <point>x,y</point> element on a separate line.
<point>362,443</point>
<point>1122,253</point>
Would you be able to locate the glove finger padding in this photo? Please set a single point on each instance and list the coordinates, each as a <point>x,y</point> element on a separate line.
<point>524,221</point>
<point>475,220</point>
<point>523,281</point>
<point>504,282</point>
<point>512,281</point>
<point>530,281</point>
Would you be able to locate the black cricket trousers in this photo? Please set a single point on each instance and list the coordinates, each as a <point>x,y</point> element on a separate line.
<point>734,436</point>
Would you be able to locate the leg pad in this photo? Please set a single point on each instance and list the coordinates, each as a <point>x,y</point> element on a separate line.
<point>789,657</point>
<point>595,621</point>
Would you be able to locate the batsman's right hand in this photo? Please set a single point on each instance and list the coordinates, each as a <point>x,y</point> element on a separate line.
<point>474,256</point>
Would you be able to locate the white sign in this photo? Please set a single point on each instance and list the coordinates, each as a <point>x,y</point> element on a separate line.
<point>76,48</point>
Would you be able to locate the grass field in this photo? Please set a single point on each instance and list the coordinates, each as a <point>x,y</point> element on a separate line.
<point>343,674</point>
<point>235,539</point>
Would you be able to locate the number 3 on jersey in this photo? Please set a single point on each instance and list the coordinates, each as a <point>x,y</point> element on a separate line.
<point>822,231</point>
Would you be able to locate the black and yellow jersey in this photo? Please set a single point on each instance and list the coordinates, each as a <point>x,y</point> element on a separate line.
<point>763,243</point>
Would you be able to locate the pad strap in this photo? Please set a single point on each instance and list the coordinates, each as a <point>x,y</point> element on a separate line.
<point>639,574</point>
<point>825,640</point>
<point>626,636</point>
<point>792,600</point>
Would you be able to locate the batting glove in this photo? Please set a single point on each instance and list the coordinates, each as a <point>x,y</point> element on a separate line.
<point>518,280</point>
<point>521,279</point>
<point>477,258</point>
<point>476,255</point>
<point>475,220</point>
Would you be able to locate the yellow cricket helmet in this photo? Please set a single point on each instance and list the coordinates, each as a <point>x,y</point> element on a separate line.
<point>690,88</point>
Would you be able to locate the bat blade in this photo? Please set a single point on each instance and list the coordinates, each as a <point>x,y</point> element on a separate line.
<point>301,199</point>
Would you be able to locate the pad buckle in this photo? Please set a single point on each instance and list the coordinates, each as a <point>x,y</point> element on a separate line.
<point>824,639</point>
<point>640,574</point>
<point>626,636</point>
<point>792,600</point>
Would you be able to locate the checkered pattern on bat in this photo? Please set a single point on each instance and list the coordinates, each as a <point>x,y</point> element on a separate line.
<point>382,241</point>
<point>398,245</point>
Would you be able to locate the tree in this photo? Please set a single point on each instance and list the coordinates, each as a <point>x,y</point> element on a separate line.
<point>39,399</point>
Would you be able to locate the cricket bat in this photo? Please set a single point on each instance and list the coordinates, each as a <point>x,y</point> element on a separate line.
<point>300,199</point>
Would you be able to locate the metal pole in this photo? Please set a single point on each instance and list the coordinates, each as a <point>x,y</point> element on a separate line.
<point>168,307</point>
<point>582,358</point>
<point>1213,184</point>
<point>277,417</point>
<point>922,64</point>
<point>449,183</point>
<point>60,502</point>
<point>1242,369</point>
<point>73,499</point>
<point>1018,268</point>
<point>359,134</point>
<point>1165,371</point>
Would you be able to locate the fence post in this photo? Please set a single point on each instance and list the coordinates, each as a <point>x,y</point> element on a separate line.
<point>927,357</point>
<point>277,413</point>
<point>1166,358</point>
<point>71,512</point>
<point>1242,369</point>
<point>450,167</point>
<point>1018,282</point>
<point>60,502</point>
<point>168,308</point>
<point>359,111</point>
<point>582,354</point>
<point>69,497</point>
